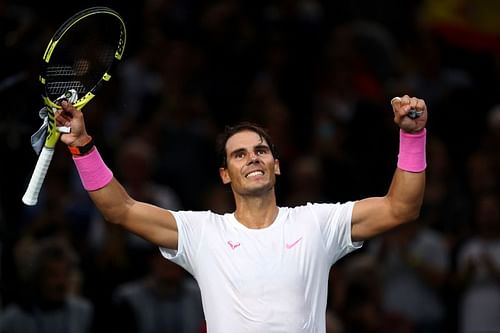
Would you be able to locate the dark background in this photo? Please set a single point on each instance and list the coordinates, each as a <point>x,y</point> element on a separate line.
<point>318,74</point>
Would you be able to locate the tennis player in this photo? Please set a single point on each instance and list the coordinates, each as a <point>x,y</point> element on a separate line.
<point>262,268</point>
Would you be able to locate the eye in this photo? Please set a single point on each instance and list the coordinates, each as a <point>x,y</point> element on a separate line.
<point>261,151</point>
<point>239,155</point>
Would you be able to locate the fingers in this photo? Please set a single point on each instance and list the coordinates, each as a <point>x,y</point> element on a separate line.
<point>420,105</point>
<point>405,100</point>
<point>66,115</point>
<point>403,105</point>
<point>63,117</point>
<point>410,113</point>
<point>396,100</point>
<point>67,107</point>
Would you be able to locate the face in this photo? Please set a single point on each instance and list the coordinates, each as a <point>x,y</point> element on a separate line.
<point>55,280</point>
<point>251,167</point>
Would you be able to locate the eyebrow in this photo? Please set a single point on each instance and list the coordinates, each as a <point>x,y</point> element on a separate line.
<point>262,146</point>
<point>237,151</point>
<point>259,146</point>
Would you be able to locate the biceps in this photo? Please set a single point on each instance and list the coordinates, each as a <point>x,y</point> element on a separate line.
<point>371,217</point>
<point>154,224</point>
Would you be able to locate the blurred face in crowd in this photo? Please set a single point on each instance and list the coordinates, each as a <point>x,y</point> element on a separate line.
<point>55,279</point>
<point>488,215</point>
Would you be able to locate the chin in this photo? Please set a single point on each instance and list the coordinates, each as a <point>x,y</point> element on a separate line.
<point>258,190</point>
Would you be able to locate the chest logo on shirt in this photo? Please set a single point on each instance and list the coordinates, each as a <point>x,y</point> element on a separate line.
<point>291,245</point>
<point>233,244</point>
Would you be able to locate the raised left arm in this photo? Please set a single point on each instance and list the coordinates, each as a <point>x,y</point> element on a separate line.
<point>401,204</point>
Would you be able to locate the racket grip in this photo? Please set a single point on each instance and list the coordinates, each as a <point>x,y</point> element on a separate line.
<point>414,114</point>
<point>30,197</point>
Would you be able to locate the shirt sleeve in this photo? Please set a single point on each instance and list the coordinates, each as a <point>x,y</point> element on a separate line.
<point>335,225</point>
<point>190,228</point>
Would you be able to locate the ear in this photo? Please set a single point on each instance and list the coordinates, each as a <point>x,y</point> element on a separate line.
<point>277,170</point>
<point>224,175</point>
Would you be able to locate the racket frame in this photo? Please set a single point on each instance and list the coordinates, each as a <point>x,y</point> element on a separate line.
<point>30,197</point>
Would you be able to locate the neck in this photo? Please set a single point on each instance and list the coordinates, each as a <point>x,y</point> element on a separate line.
<point>256,212</point>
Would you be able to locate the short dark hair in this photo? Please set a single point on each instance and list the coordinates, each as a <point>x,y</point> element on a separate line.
<point>229,131</point>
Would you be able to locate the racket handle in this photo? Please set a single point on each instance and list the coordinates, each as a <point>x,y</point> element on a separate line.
<point>414,114</point>
<point>30,197</point>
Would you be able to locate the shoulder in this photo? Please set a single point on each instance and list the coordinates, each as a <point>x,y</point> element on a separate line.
<point>321,214</point>
<point>319,208</point>
<point>198,221</point>
<point>129,289</point>
<point>12,312</point>
<point>197,215</point>
<point>471,247</point>
<point>14,319</point>
<point>429,237</point>
<point>165,196</point>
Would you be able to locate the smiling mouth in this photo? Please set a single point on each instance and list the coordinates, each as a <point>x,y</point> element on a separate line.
<point>255,174</point>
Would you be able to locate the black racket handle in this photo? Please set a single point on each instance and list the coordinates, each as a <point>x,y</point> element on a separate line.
<point>414,114</point>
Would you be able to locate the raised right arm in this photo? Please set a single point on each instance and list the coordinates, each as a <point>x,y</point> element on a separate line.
<point>154,224</point>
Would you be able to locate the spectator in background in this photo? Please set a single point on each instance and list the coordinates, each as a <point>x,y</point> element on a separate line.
<point>165,300</point>
<point>481,173</point>
<point>50,303</point>
<point>266,107</point>
<point>491,138</point>
<point>479,269</point>
<point>414,263</point>
<point>306,181</point>
<point>364,310</point>
<point>218,199</point>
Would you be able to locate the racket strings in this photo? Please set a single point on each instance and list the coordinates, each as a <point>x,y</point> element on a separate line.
<point>83,73</point>
<point>84,54</point>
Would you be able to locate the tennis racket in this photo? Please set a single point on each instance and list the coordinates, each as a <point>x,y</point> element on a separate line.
<point>78,60</point>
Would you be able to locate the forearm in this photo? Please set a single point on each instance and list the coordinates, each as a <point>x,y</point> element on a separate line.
<point>108,195</point>
<point>408,184</point>
<point>401,204</point>
<point>112,201</point>
<point>152,223</point>
<point>406,194</point>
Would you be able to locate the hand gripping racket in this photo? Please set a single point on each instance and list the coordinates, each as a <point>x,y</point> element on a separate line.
<point>78,60</point>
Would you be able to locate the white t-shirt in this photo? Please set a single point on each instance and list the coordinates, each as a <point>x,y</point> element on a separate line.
<point>264,280</point>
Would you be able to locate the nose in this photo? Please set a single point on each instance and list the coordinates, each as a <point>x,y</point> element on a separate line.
<point>252,157</point>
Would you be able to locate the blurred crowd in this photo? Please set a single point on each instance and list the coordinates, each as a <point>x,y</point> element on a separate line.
<point>319,76</point>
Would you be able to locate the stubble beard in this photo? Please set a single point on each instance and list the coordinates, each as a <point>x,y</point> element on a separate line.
<point>257,191</point>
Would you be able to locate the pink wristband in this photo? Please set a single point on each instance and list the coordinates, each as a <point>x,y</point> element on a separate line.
<point>93,172</point>
<point>412,151</point>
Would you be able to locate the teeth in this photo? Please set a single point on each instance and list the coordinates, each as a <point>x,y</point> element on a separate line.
<point>255,173</point>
